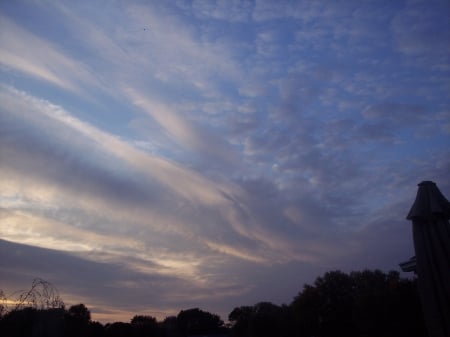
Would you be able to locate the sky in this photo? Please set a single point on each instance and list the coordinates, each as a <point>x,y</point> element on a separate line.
<point>164,155</point>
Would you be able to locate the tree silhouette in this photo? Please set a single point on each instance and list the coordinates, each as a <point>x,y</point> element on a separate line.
<point>119,329</point>
<point>18,323</point>
<point>96,329</point>
<point>38,311</point>
<point>77,320</point>
<point>386,305</point>
<point>359,304</point>
<point>170,327</point>
<point>144,326</point>
<point>240,319</point>
<point>264,319</point>
<point>41,295</point>
<point>335,300</point>
<point>3,304</point>
<point>368,303</point>
<point>197,322</point>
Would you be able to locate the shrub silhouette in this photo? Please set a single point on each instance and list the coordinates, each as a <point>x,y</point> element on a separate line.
<point>358,304</point>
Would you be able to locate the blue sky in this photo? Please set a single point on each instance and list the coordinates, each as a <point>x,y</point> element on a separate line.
<point>162,155</point>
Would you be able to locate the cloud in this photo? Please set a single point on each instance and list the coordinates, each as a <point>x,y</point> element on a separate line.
<point>266,10</point>
<point>214,154</point>
<point>162,170</point>
<point>418,31</point>
<point>235,11</point>
<point>386,121</point>
<point>166,200</point>
<point>46,63</point>
<point>59,178</point>
<point>74,277</point>
<point>196,62</point>
<point>184,132</point>
<point>395,113</point>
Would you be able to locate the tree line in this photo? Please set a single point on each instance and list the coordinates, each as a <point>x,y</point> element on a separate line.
<point>356,304</point>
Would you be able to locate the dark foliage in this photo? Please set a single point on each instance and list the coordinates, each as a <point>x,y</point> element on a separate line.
<point>263,319</point>
<point>169,327</point>
<point>119,329</point>
<point>145,326</point>
<point>198,322</point>
<point>32,322</point>
<point>368,303</point>
<point>77,321</point>
<point>359,304</point>
<point>96,329</point>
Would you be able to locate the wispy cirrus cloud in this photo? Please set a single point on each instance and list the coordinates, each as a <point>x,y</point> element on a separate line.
<point>186,133</point>
<point>46,63</point>
<point>60,176</point>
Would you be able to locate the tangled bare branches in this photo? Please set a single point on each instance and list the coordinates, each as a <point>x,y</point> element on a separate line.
<point>41,295</point>
<point>3,302</point>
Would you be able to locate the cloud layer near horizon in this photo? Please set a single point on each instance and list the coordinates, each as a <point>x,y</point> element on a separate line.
<point>214,155</point>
